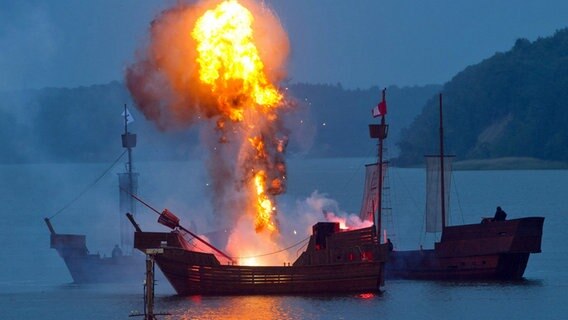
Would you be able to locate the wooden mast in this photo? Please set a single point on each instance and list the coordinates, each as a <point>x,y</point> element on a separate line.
<point>380,184</point>
<point>129,142</point>
<point>380,132</point>
<point>129,182</point>
<point>442,180</point>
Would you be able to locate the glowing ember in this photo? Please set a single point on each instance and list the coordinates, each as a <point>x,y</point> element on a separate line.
<point>229,60</point>
<point>264,206</point>
<point>258,145</point>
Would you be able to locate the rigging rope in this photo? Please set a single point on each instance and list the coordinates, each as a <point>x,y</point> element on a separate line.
<point>250,257</point>
<point>271,253</point>
<point>458,197</point>
<point>88,187</point>
<point>411,196</point>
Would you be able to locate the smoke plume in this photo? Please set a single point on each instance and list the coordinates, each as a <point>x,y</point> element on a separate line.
<point>215,64</point>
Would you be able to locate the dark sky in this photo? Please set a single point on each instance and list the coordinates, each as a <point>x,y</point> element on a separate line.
<point>358,43</point>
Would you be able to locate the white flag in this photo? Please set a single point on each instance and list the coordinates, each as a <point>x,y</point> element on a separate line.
<point>375,112</point>
<point>129,117</point>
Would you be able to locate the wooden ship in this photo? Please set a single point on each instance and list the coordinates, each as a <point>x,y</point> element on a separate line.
<point>334,261</point>
<point>494,249</point>
<point>121,264</point>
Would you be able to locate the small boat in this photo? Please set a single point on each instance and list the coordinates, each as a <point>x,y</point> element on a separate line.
<point>122,265</point>
<point>494,249</point>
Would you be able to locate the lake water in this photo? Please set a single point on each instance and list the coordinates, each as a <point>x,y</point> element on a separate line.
<point>35,284</point>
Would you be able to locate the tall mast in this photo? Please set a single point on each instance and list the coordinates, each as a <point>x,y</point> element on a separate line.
<point>128,146</point>
<point>127,181</point>
<point>380,132</point>
<point>443,193</point>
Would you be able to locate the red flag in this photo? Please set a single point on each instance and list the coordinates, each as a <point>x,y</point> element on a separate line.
<point>380,109</point>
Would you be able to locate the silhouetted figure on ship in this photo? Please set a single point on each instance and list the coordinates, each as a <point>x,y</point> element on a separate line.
<point>116,252</point>
<point>500,215</point>
<point>391,246</point>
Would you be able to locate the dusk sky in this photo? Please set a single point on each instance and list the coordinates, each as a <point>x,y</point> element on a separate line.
<point>356,43</point>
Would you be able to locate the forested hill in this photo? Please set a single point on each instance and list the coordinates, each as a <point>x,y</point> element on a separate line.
<point>84,124</point>
<point>339,118</point>
<point>514,104</point>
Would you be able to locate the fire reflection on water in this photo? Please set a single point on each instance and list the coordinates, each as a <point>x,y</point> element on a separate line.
<point>241,307</point>
<point>273,307</point>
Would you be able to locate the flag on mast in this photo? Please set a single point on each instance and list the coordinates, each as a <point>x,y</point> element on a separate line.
<point>380,109</point>
<point>128,116</point>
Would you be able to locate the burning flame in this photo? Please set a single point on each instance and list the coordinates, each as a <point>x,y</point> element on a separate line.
<point>217,62</point>
<point>265,210</point>
<point>347,222</point>
<point>229,61</point>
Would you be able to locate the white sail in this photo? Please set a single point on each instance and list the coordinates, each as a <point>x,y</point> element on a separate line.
<point>434,190</point>
<point>370,194</point>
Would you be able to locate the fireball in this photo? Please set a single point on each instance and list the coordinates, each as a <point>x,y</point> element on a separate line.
<point>230,66</point>
<point>216,63</point>
<point>229,61</point>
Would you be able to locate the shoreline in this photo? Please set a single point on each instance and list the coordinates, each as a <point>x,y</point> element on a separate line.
<point>510,163</point>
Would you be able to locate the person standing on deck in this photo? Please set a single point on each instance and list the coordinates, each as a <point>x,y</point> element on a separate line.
<point>500,215</point>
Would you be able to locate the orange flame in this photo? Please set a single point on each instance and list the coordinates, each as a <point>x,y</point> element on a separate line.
<point>265,209</point>
<point>229,64</point>
<point>258,145</point>
<point>229,61</point>
<point>218,61</point>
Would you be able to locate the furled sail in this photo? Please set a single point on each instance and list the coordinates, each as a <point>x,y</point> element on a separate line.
<point>370,194</point>
<point>434,190</point>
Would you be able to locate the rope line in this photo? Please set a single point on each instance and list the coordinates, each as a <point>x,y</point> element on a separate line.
<point>188,241</point>
<point>455,185</point>
<point>88,187</point>
<point>268,254</point>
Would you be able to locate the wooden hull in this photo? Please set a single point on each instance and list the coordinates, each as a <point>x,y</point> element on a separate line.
<point>189,277</point>
<point>426,265</point>
<point>333,262</point>
<point>493,250</point>
<point>96,269</point>
<point>92,268</point>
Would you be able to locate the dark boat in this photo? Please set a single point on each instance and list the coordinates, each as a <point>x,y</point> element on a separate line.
<point>497,250</point>
<point>494,249</point>
<point>86,267</point>
<point>123,264</point>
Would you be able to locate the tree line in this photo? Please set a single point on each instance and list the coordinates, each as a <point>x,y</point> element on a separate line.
<point>513,104</point>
